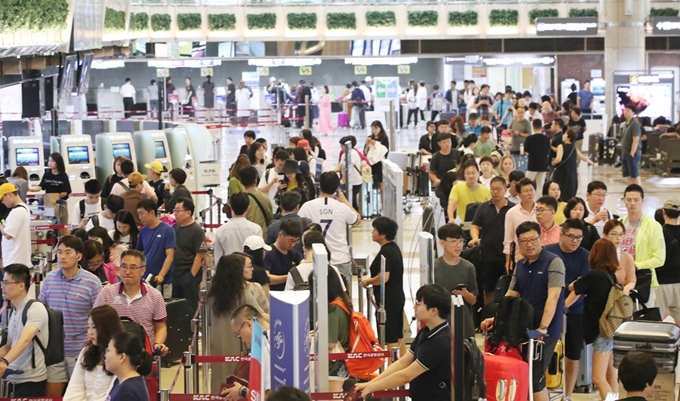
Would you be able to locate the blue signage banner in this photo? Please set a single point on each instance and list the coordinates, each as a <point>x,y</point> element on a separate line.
<point>290,345</point>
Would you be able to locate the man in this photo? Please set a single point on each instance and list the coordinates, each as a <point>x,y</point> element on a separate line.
<point>302,94</point>
<point>520,129</point>
<point>248,140</point>
<point>105,218</point>
<point>169,90</point>
<point>73,291</point>
<point>231,97</point>
<point>532,113</point>
<point>287,393</point>
<point>306,266</point>
<point>16,228</point>
<point>573,95</point>
<point>549,115</point>
<point>157,168</point>
<point>452,96</point>
<point>596,194</point>
<point>88,207</point>
<point>357,99</point>
<point>539,279</point>
<point>444,160</point>
<point>484,101</point>
<point>474,127</point>
<point>134,195</point>
<point>427,365</point>
<point>269,184</point>
<point>575,259</point>
<point>21,349</point>
<point>230,237</point>
<point>538,148</point>
<point>153,97</point>
<point>525,210</point>
<point>490,220</point>
<point>584,99</point>
<point>283,255</point>
<point>157,240</point>
<point>637,372</point>
<point>467,193</point>
<point>334,213</point>
<point>122,186</point>
<point>260,209</point>
<point>557,127</point>
<point>512,195</point>
<point>208,96</point>
<point>177,179</point>
<point>455,274</point>
<point>546,206</point>
<point>127,91</point>
<point>575,120</point>
<point>485,145</point>
<point>631,146</point>
<point>290,206</point>
<point>189,253</point>
<point>644,236</point>
<point>502,110</point>
<point>428,142</point>
<point>137,300</point>
<point>242,326</point>
<point>669,274</point>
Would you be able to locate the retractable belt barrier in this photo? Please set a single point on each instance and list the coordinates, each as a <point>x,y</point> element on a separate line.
<point>314,396</point>
<point>332,357</point>
<point>33,399</point>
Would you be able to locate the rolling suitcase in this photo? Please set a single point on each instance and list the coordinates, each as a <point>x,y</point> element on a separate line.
<point>447,116</point>
<point>554,375</point>
<point>343,119</point>
<point>609,151</point>
<point>506,378</point>
<point>584,383</point>
<point>179,328</point>
<point>658,339</point>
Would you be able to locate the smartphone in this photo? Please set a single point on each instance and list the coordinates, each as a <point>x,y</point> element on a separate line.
<point>460,287</point>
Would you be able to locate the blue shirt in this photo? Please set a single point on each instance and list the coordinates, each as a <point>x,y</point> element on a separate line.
<point>474,130</point>
<point>153,243</point>
<point>279,264</point>
<point>586,99</point>
<point>575,265</point>
<point>133,389</point>
<point>501,107</point>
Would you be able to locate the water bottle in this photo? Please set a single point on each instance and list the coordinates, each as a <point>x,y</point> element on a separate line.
<point>521,149</point>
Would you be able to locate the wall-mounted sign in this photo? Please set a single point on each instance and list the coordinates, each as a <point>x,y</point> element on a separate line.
<point>478,72</point>
<point>360,70</point>
<point>207,71</point>
<point>162,73</point>
<point>581,26</point>
<point>520,60</point>
<point>650,93</point>
<point>263,71</point>
<point>305,70</point>
<point>668,26</point>
<point>403,69</point>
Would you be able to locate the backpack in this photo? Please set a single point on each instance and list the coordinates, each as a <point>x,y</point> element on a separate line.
<point>81,205</point>
<point>54,349</point>
<point>619,309</point>
<point>300,283</point>
<point>475,385</point>
<point>132,199</point>
<point>513,318</point>
<point>95,220</point>
<point>362,338</point>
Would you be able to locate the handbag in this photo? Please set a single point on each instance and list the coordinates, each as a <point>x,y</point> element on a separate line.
<point>647,314</point>
<point>643,284</point>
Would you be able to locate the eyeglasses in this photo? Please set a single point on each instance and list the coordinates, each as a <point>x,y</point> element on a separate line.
<point>616,235</point>
<point>527,241</point>
<point>455,241</point>
<point>131,268</point>
<point>598,194</point>
<point>95,265</point>
<point>293,240</point>
<point>574,237</point>
<point>238,333</point>
<point>541,210</point>
<point>6,283</point>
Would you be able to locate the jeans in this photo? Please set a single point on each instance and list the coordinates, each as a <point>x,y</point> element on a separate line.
<point>184,285</point>
<point>356,116</point>
<point>520,162</point>
<point>414,113</point>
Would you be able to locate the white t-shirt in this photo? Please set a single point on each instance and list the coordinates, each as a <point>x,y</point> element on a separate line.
<point>485,182</point>
<point>90,210</point>
<point>127,90</point>
<point>18,226</point>
<point>355,171</point>
<point>119,190</point>
<point>105,222</point>
<point>599,226</point>
<point>305,269</point>
<point>273,176</point>
<point>333,216</point>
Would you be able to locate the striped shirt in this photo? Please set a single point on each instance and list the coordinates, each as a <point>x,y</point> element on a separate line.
<point>75,298</point>
<point>145,308</point>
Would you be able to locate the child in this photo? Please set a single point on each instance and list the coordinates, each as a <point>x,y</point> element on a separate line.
<point>486,165</point>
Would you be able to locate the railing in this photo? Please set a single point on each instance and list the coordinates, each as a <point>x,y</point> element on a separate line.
<point>220,3</point>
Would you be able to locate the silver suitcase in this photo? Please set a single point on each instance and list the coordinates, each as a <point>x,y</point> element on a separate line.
<point>658,339</point>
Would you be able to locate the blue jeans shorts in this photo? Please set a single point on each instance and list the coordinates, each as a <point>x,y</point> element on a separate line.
<point>602,344</point>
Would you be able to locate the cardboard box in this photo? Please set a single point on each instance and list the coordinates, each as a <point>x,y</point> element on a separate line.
<point>663,389</point>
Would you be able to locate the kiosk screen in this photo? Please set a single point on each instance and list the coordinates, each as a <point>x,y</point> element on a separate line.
<point>122,149</point>
<point>78,154</point>
<point>28,157</point>
<point>160,150</point>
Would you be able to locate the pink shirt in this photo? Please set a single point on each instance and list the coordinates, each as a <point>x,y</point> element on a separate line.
<point>551,235</point>
<point>516,216</point>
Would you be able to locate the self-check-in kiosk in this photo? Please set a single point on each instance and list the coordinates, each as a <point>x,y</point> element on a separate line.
<point>79,162</point>
<point>27,152</point>
<point>111,146</point>
<point>150,146</point>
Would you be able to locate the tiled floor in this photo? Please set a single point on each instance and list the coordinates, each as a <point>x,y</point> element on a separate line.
<point>656,188</point>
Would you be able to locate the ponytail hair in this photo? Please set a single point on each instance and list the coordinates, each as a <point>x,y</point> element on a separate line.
<point>130,345</point>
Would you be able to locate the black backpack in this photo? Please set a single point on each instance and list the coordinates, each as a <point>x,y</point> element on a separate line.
<point>300,283</point>
<point>513,318</point>
<point>81,205</point>
<point>54,349</point>
<point>475,385</point>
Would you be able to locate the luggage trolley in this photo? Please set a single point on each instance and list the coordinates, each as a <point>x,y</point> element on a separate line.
<point>534,352</point>
<point>6,385</point>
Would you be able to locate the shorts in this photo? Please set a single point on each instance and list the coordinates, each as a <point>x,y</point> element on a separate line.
<point>540,366</point>
<point>492,272</point>
<point>668,300</point>
<point>394,321</point>
<point>630,165</point>
<point>62,371</point>
<point>338,372</point>
<point>602,344</point>
<point>573,338</point>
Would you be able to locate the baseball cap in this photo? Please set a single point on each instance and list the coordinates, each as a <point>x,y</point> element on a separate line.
<point>255,242</point>
<point>304,168</point>
<point>135,178</point>
<point>7,188</point>
<point>156,166</point>
<point>303,143</point>
<point>670,204</point>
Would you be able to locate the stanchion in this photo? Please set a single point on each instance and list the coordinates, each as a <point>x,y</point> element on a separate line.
<point>360,289</point>
<point>395,354</point>
<point>205,335</point>
<point>196,324</point>
<point>392,141</point>
<point>320,304</point>
<point>369,304</point>
<point>308,120</point>
<point>426,244</point>
<point>163,395</point>
<point>457,322</point>
<point>382,314</point>
<point>188,360</point>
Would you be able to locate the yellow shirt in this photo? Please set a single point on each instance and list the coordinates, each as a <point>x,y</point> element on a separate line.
<point>291,185</point>
<point>560,218</point>
<point>465,196</point>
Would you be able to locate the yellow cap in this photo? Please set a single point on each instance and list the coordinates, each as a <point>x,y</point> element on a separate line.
<point>7,188</point>
<point>156,166</point>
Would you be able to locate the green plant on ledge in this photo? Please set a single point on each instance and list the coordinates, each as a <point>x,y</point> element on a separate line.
<point>663,12</point>
<point>464,18</point>
<point>221,22</point>
<point>301,20</point>
<point>583,12</point>
<point>41,14</point>
<point>160,22</point>
<point>261,21</point>
<point>542,13</point>
<point>380,18</point>
<point>341,21</point>
<point>504,17</point>
<point>423,18</point>
<point>189,21</point>
<point>114,20</point>
<point>139,21</point>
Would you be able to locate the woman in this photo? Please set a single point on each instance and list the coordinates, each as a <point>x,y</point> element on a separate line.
<point>615,231</point>
<point>458,131</point>
<point>20,180</point>
<point>94,261</point>
<point>376,150</point>
<point>596,286</point>
<point>294,180</point>
<point>113,178</point>
<point>235,185</point>
<point>243,103</point>
<point>230,289</point>
<point>355,179</point>
<point>564,164</point>
<point>325,126</point>
<point>256,155</point>
<point>128,360</point>
<point>55,180</point>
<point>576,209</point>
<point>111,253</point>
<point>506,166</point>
<point>90,381</point>
<point>486,169</point>
<point>254,248</point>
<point>471,102</point>
<point>412,101</point>
<point>553,189</point>
<point>126,231</point>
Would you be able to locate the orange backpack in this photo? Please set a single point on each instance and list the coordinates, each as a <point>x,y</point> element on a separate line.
<point>362,338</point>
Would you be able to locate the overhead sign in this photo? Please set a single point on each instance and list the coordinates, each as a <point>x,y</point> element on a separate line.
<point>305,70</point>
<point>162,73</point>
<point>207,71</point>
<point>403,69</point>
<point>580,26</point>
<point>526,60</point>
<point>668,26</point>
<point>386,90</point>
<point>360,70</point>
<point>263,71</point>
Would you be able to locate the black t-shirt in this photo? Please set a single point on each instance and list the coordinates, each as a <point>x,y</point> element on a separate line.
<point>54,184</point>
<point>394,264</point>
<point>428,144</point>
<point>279,264</point>
<point>555,142</point>
<point>159,188</point>
<point>432,350</point>
<point>573,97</point>
<point>669,273</point>
<point>493,230</point>
<point>133,389</point>
<point>538,148</point>
<point>633,399</point>
<point>259,276</point>
<point>581,126</point>
<point>595,286</point>
<point>441,164</point>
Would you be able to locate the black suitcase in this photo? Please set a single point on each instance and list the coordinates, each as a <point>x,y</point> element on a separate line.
<point>179,328</point>
<point>609,151</point>
<point>658,339</point>
<point>447,116</point>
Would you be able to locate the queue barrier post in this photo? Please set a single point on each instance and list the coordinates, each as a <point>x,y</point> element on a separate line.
<point>360,289</point>
<point>159,365</point>
<point>195,324</point>
<point>346,173</point>
<point>163,395</point>
<point>395,354</point>
<point>308,119</point>
<point>382,313</point>
<point>205,334</point>
<point>457,323</point>
<point>188,361</point>
<point>369,304</point>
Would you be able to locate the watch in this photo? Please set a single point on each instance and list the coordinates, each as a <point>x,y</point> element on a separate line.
<point>543,327</point>
<point>243,392</point>
<point>4,360</point>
